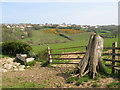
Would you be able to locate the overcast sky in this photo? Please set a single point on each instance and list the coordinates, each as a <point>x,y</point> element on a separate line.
<point>101,12</point>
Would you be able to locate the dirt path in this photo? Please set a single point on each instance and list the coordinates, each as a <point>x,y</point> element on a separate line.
<point>40,75</point>
<point>48,77</point>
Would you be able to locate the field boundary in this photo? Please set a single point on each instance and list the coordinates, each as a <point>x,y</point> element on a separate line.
<point>113,54</point>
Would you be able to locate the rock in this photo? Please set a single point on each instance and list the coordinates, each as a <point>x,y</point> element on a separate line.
<point>4,70</point>
<point>21,68</point>
<point>7,66</point>
<point>17,64</point>
<point>10,60</point>
<point>29,59</point>
<point>28,66</point>
<point>14,66</point>
<point>24,55</point>
<point>16,69</point>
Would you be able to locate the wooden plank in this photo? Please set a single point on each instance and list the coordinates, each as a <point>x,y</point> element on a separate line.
<point>111,54</point>
<point>68,48</point>
<point>68,53</point>
<point>110,65</point>
<point>63,63</point>
<point>111,48</point>
<point>111,60</point>
<point>49,56</point>
<point>66,58</point>
<point>117,68</point>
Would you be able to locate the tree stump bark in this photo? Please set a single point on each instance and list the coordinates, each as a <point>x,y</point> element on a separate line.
<point>91,62</point>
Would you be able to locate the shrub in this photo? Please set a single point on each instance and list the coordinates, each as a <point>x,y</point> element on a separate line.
<point>42,56</point>
<point>113,84</point>
<point>79,82</point>
<point>70,80</point>
<point>15,47</point>
<point>95,85</point>
<point>45,63</point>
<point>32,63</point>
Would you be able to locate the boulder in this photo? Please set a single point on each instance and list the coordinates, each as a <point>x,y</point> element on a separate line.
<point>10,60</point>
<point>24,55</point>
<point>7,66</point>
<point>28,66</point>
<point>4,70</point>
<point>29,60</point>
<point>16,64</point>
<point>21,68</point>
<point>16,69</point>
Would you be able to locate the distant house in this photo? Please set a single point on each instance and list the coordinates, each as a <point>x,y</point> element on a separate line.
<point>17,26</point>
<point>22,29</point>
<point>8,26</point>
<point>29,26</point>
<point>21,26</point>
<point>22,36</point>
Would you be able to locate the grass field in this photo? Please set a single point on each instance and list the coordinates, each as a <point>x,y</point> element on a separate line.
<point>80,39</point>
<point>39,37</point>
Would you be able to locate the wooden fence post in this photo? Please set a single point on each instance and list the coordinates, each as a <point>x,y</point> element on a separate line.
<point>86,48</point>
<point>113,56</point>
<point>49,55</point>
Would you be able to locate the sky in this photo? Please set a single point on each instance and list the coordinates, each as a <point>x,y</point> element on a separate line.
<point>74,12</point>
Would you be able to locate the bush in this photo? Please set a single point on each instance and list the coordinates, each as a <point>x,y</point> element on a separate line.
<point>79,82</point>
<point>42,56</point>
<point>45,63</point>
<point>70,79</point>
<point>32,63</point>
<point>15,47</point>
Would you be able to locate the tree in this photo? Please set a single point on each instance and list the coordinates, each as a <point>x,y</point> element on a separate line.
<point>91,62</point>
<point>29,31</point>
<point>114,33</point>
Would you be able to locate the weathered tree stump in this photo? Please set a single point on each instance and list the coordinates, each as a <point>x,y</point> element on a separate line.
<point>91,62</point>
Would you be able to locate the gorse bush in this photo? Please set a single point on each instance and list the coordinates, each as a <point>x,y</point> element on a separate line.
<point>15,47</point>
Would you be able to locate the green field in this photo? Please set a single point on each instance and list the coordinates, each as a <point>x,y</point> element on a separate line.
<point>39,37</point>
<point>41,40</point>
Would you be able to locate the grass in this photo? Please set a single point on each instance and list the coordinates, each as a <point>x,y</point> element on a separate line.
<point>70,80</point>
<point>39,37</point>
<point>114,84</point>
<point>79,82</point>
<point>95,85</point>
<point>42,86</point>
<point>25,84</point>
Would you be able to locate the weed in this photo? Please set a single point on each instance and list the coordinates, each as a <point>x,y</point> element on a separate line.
<point>45,63</point>
<point>58,85</point>
<point>88,84</point>
<point>113,84</point>
<point>85,79</point>
<point>70,80</point>
<point>42,86</point>
<point>80,81</point>
<point>32,63</point>
<point>45,81</point>
<point>96,78</point>
<point>25,84</point>
<point>19,78</point>
<point>95,85</point>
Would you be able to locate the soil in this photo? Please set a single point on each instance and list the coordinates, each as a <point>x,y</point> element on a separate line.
<point>51,77</point>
